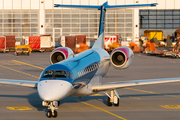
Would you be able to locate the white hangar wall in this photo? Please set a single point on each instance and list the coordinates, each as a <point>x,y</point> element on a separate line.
<point>33,17</point>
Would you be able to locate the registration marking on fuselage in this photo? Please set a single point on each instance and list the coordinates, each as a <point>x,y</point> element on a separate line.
<point>19,108</point>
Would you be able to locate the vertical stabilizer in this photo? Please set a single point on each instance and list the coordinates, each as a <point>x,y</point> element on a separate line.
<point>99,43</point>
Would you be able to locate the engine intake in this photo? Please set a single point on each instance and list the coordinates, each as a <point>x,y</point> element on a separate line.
<point>60,54</point>
<point>121,57</point>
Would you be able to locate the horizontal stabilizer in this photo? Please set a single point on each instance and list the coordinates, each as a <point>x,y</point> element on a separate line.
<point>106,6</point>
<point>129,6</point>
<point>79,6</point>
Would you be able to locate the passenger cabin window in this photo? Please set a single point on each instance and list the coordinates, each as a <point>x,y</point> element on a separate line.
<point>55,74</point>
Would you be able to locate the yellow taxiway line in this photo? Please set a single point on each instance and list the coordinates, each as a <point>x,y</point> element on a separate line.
<point>19,71</point>
<point>19,108</point>
<point>171,106</point>
<point>102,110</point>
<point>28,64</point>
<point>139,90</point>
<point>151,92</point>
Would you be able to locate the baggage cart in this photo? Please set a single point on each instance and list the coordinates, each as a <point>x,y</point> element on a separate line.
<point>46,42</point>
<point>35,43</point>
<point>81,39</point>
<point>68,41</point>
<point>10,42</point>
<point>3,44</point>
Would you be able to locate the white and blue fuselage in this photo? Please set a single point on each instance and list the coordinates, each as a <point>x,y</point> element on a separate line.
<point>82,71</point>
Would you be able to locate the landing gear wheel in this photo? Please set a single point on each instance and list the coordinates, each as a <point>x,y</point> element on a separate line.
<point>16,54</point>
<point>49,114</point>
<point>149,54</point>
<point>58,103</point>
<point>109,103</point>
<point>55,114</point>
<point>117,103</point>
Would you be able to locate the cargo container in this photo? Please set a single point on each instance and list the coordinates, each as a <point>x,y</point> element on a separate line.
<point>38,43</point>
<point>81,39</point>
<point>150,34</point>
<point>45,41</point>
<point>34,42</point>
<point>110,39</point>
<point>68,41</point>
<point>10,42</point>
<point>25,40</point>
<point>3,44</point>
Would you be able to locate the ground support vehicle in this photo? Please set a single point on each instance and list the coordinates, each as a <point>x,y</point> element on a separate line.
<point>26,49</point>
<point>172,54</point>
<point>149,53</point>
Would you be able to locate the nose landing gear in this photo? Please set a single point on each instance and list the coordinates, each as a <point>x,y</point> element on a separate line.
<point>53,105</point>
<point>52,114</point>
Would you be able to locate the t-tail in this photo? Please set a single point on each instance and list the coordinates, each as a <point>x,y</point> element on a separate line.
<point>99,43</point>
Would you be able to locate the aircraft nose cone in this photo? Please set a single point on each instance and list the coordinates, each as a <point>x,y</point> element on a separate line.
<point>51,90</point>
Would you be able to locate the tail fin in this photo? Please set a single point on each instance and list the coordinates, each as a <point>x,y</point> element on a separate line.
<point>99,43</point>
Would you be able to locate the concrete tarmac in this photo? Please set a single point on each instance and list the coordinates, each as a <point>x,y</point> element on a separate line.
<point>157,102</point>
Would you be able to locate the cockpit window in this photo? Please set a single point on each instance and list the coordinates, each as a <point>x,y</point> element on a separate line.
<point>48,74</point>
<point>60,74</point>
<point>69,74</point>
<point>55,74</point>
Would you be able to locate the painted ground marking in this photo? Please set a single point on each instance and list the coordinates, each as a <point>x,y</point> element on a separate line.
<point>19,108</point>
<point>19,71</point>
<point>171,106</point>
<point>28,64</point>
<point>102,110</point>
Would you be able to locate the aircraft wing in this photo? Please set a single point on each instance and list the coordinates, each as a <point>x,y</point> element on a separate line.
<point>25,83</point>
<point>115,85</point>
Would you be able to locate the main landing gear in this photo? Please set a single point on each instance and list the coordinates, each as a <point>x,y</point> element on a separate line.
<point>113,98</point>
<point>53,105</point>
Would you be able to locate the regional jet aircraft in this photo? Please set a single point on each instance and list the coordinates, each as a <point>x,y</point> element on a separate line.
<point>81,74</point>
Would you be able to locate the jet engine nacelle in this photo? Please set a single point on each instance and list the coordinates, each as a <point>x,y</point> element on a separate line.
<point>121,57</point>
<point>60,54</point>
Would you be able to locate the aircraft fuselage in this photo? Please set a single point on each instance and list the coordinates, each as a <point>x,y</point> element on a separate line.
<point>81,71</point>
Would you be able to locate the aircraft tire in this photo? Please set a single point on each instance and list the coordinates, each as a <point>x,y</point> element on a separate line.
<point>109,103</point>
<point>117,103</point>
<point>49,114</point>
<point>55,114</point>
<point>58,103</point>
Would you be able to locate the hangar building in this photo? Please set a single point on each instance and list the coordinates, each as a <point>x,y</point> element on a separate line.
<point>34,17</point>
